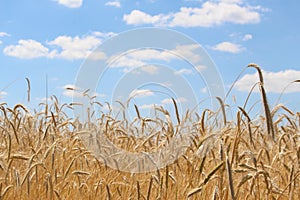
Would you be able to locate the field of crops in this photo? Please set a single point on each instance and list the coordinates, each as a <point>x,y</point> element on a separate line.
<point>42,155</point>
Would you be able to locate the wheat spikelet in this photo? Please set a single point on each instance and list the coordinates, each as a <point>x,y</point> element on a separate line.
<point>268,115</point>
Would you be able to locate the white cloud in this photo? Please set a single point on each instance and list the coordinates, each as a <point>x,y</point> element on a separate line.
<point>231,1</point>
<point>113,3</point>
<point>3,94</point>
<point>139,57</point>
<point>228,47</point>
<point>187,52</point>
<point>137,17</point>
<point>183,71</point>
<point>27,49</point>
<point>150,69</point>
<point>0,42</point>
<point>274,81</point>
<point>150,54</point>
<point>139,93</point>
<point>95,55</point>
<point>170,101</point>
<point>247,37</point>
<point>147,106</point>
<point>3,34</point>
<point>134,59</point>
<point>70,3</point>
<point>167,84</point>
<point>203,90</point>
<point>124,61</point>
<point>71,90</point>
<point>200,68</point>
<point>210,13</point>
<point>103,34</point>
<point>76,47</point>
<point>65,47</point>
<point>72,93</point>
<point>99,94</point>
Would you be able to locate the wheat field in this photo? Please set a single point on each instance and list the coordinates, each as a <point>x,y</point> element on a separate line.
<point>42,155</point>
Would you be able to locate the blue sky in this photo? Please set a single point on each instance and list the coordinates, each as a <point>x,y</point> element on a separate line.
<point>53,38</point>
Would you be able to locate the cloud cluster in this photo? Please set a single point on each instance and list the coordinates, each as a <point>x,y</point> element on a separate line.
<point>28,49</point>
<point>74,47</point>
<point>65,47</point>
<point>211,13</point>
<point>274,82</point>
<point>137,61</point>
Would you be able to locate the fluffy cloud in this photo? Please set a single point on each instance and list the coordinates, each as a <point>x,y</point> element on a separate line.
<point>103,34</point>
<point>247,37</point>
<point>28,49</point>
<point>231,1</point>
<point>148,106</point>
<point>203,90</point>
<point>65,47</point>
<point>71,90</point>
<point>70,3</point>
<point>200,68</point>
<point>183,71</point>
<point>228,47</point>
<point>137,17</point>
<point>3,34</point>
<point>124,61</point>
<point>76,47</point>
<point>139,57</point>
<point>188,52</point>
<point>133,59</point>
<point>170,101</point>
<point>211,13</point>
<point>139,93</point>
<point>72,93</point>
<point>274,81</point>
<point>3,94</point>
<point>150,54</point>
<point>113,3</point>
<point>150,69</point>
